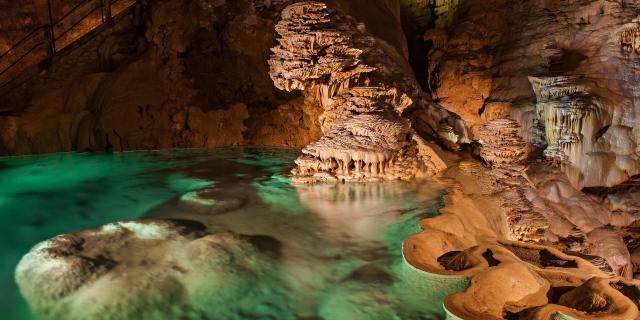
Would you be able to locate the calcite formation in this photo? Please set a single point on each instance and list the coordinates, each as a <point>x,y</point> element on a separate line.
<point>561,76</point>
<point>580,133</point>
<point>630,37</point>
<point>363,93</point>
<point>546,288</point>
<point>522,280</point>
<point>563,107</point>
<point>540,204</point>
<point>502,146</point>
<point>504,151</point>
<point>580,58</point>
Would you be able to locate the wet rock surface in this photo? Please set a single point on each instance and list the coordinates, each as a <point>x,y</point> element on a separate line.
<point>565,70</point>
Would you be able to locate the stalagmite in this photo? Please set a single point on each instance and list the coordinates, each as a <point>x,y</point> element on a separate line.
<point>502,146</point>
<point>364,93</point>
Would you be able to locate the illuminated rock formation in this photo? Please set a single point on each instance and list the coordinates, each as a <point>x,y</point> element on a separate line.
<point>523,280</point>
<point>363,93</point>
<point>583,59</point>
<point>562,108</point>
<point>630,37</point>
<point>580,134</point>
<point>548,286</point>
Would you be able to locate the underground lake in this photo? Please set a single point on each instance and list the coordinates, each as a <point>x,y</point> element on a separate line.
<point>324,251</point>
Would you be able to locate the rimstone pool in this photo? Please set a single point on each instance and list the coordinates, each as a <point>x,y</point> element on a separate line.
<point>332,251</point>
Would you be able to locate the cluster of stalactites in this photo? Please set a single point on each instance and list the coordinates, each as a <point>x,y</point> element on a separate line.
<point>362,99</point>
<point>365,138</point>
<point>553,88</point>
<point>349,165</point>
<point>630,37</point>
<point>438,37</point>
<point>563,107</point>
<point>359,147</point>
<point>502,146</point>
<point>311,49</point>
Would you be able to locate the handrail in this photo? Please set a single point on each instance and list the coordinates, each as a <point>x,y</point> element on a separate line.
<point>90,10</point>
<point>19,59</point>
<point>21,41</point>
<point>72,10</point>
<point>39,37</point>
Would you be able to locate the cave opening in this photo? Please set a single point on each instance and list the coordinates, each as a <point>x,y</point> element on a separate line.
<point>416,20</point>
<point>418,17</point>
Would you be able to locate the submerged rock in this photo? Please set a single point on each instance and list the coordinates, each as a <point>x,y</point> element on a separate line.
<point>150,269</point>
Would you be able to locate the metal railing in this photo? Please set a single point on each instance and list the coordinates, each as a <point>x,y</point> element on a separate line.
<point>48,40</point>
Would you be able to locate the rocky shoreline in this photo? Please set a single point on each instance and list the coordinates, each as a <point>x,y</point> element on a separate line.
<point>472,241</point>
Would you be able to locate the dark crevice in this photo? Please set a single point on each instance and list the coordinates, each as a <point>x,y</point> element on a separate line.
<point>488,255</point>
<point>555,293</point>
<point>414,30</point>
<point>600,133</point>
<point>268,245</point>
<point>455,261</point>
<point>481,110</point>
<point>548,259</point>
<point>629,291</point>
<point>524,314</point>
<point>542,258</point>
<point>108,147</point>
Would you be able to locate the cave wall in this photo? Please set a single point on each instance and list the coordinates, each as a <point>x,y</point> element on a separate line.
<point>563,69</point>
<point>188,73</point>
<point>17,19</point>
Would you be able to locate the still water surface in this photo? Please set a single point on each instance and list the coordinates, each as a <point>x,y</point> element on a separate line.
<point>340,245</point>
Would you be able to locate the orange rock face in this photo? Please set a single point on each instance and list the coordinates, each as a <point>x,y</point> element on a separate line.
<point>580,57</point>
<point>173,82</point>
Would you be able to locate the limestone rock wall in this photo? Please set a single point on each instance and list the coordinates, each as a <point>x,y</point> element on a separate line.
<point>582,58</point>
<point>17,21</point>
<point>182,74</point>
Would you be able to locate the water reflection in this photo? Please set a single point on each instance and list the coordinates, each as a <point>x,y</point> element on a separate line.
<point>339,245</point>
<point>361,212</point>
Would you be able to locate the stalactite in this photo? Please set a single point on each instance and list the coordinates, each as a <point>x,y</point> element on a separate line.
<point>363,92</point>
<point>575,124</point>
<point>630,37</point>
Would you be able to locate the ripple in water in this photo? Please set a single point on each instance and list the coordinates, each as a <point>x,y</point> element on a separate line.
<point>333,251</point>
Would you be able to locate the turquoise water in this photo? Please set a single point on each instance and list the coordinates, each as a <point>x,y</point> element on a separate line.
<point>341,244</point>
